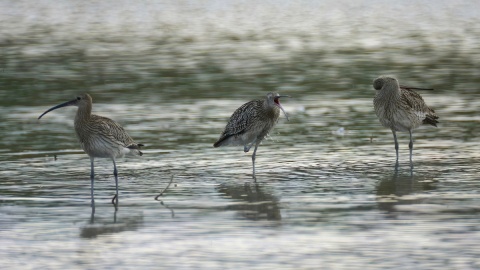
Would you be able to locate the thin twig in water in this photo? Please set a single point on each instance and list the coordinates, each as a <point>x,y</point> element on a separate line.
<point>161,202</point>
<point>168,207</point>
<point>161,193</point>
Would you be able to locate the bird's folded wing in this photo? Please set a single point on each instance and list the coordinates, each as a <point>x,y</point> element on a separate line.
<point>240,120</point>
<point>113,131</point>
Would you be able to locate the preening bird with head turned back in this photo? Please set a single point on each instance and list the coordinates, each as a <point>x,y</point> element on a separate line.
<point>99,137</point>
<point>400,108</point>
<point>251,123</point>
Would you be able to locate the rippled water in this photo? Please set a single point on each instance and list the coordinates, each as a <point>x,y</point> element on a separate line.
<point>327,195</point>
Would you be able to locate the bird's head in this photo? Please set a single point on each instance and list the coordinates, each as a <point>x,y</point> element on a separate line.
<point>385,81</point>
<point>273,99</point>
<point>82,100</point>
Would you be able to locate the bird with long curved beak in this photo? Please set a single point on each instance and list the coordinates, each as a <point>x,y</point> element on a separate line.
<point>99,137</point>
<point>400,108</point>
<point>251,123</point>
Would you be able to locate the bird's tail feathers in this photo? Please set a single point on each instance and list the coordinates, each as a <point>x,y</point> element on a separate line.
<point>431,119</point>
<point>229,141</point>
<point>220,142</point>
<point>136,149</point>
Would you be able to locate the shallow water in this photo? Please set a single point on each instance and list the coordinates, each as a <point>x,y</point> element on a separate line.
<point>327,195</point>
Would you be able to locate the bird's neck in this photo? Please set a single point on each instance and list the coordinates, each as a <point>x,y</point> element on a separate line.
<point>83,114</point>
<point>391,93</point>
<point>81,122</point>
<point>270,111</point>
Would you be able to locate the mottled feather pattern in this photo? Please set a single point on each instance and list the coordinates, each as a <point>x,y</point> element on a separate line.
<point>242,118</point>
<point>251,123</point>
<point>431,120</point>
<point>251,117</point>
<point>399,107</point>
<point>99,132</point>
<point>418,105</point>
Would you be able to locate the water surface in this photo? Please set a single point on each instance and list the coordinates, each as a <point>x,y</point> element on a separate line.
<point>327,195</point>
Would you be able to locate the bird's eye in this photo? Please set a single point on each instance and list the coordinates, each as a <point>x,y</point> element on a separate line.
<point>78,98</point>
<point>377,84</point>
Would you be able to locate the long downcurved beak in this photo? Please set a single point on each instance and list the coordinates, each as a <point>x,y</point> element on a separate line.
<point>68,103</point>
<point>280,106</point>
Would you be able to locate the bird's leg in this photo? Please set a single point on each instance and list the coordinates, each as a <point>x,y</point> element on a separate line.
<point>115,173</point>
<point>395,174</point>
<point>92,216</point>
<point>92,180</point>
<point>247,147</point>
<point>396,143</point>
<point>253,160</point>
<point>410,146</point>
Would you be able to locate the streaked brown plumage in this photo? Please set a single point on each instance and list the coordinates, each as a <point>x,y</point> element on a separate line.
<point>99,137</point>
<point>251,123</point>
<point>400,108</point>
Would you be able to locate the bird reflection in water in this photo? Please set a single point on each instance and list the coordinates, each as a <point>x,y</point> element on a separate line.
<point>100,226</point>
<point>259,204</point>
<point>393,189</point>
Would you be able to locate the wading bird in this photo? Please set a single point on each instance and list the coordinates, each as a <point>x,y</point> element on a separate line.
<point>100,137</point>
<point>400,108</point>
<point>251,123</point>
